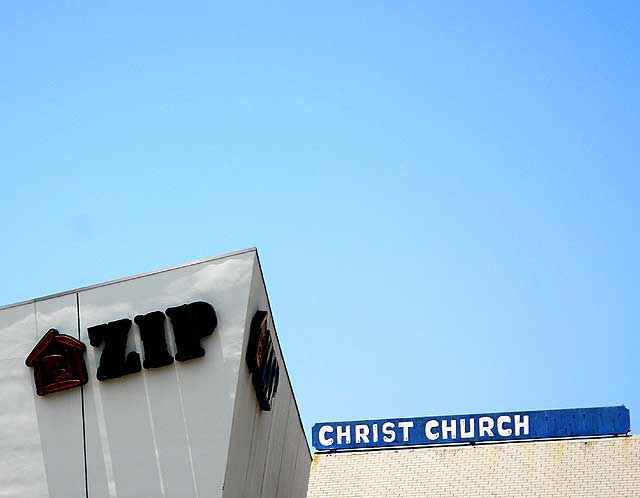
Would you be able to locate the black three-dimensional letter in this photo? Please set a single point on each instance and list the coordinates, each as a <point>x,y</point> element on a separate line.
<point>113,363</point>
<point>191,322</point>
<point>154,340</point>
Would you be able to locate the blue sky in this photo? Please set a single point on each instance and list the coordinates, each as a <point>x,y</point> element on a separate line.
<point>445,197</point>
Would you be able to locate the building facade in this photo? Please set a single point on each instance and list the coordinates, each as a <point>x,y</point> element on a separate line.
<point>169,384</point>
<point>577,468</point>
<point>173,384</point>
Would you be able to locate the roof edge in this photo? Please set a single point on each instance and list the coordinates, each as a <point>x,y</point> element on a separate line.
<point>124,279</point>
<point>284,362</point>
<point>426,447</point>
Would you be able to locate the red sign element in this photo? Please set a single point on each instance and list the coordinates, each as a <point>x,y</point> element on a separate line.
<point>58,363</point>
<point>262,361</point>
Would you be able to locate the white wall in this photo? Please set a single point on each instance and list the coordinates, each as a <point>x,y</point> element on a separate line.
<point>60,414</point>
<point>22,470</point>
<point>268,453</point>
<point>163,432</point>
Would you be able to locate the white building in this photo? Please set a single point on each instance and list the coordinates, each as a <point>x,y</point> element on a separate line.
<point>167,422</point>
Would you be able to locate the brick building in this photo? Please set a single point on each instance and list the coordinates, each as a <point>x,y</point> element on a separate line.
<point>585,468</point>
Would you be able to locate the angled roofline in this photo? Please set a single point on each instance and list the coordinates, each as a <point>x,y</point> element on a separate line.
<point>124,279</point>
<point>284,363</point>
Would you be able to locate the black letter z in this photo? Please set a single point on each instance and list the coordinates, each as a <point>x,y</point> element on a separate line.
<point>112,360</point>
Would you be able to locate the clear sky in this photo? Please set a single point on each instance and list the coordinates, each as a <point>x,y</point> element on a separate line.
<point>445,196</point>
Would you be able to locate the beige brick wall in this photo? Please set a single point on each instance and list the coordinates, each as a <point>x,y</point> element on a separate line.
<point>594,468</point>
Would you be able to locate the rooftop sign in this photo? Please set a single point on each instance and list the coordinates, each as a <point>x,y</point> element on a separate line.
<point>612,420</point>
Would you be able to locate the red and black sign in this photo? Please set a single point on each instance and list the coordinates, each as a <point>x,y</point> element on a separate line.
<point>58,360</point>
<point>58,363</point>
<point>262,361</point>
<point>191,322</point>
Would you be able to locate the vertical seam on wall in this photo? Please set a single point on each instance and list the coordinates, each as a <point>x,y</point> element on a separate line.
<point>266,456</point>
<point>295,468</point>
<point>272,428</point>
<point>36,336</point>
<point>84,431</point>
<point>284,446</point>
<point>253,431</point>
<point>107,457</point>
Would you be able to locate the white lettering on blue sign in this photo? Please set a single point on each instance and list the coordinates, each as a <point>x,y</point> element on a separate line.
<point>361,433</point>
<point>471,428</point>
<point>434,429</point>
<point>448,429</point>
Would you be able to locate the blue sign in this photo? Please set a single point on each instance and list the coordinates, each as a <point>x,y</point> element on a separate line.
<point>612,420</point>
